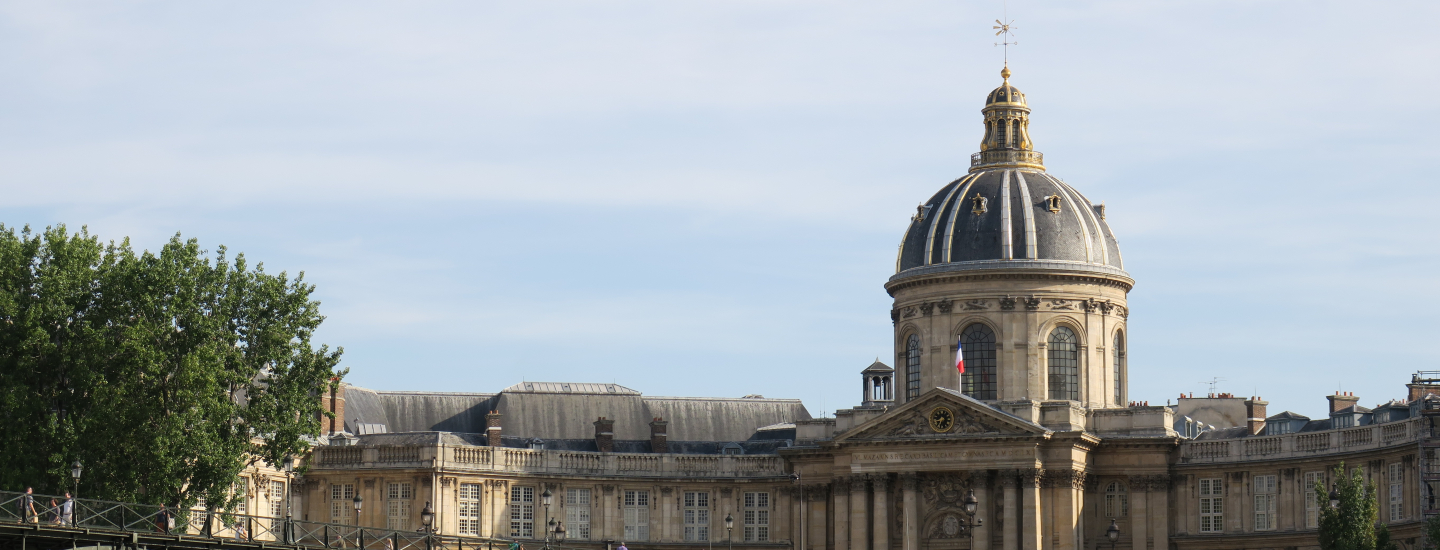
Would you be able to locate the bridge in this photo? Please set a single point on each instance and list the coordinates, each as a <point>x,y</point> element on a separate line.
<point>108,525</point>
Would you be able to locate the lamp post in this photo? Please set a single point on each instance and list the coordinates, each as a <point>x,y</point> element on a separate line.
<point>729,524</point>
<point>359,532</point>
<point>969,505</point>
<point>289,468</point>
<point>75,470</point>
<point>1113,534</point>
<point>545,499</point>
<point>560,534</point>
<point>1334,496</point>
<point>427,519</point>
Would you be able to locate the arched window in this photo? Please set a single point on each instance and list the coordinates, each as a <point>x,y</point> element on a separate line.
<point>1064,364</point>
<point>1119,367</point>
<point>1117,501</point>
<point>912,367</point>
<point>978,343</point>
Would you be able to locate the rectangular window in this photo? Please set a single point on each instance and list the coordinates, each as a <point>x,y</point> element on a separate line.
<point>1212,506</point>
<point>1312,502</point>
<point>697,516</point>
<point>1117,500</point>
<point>637,515</point>
<point>522,512</point>
<point>242,494</point>
<point>1397,493</point>
<point>276,496</point>
<point>912,367</point>
<point>577,514</point>
<point>469,509</point>
<point>397,506</point>
<point>1264,503</point>
<point>342,501</point>
<point>1345,421</point>
<point>757,517</point>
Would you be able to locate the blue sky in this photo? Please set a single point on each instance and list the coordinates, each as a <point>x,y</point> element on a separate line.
<point>704,198</point>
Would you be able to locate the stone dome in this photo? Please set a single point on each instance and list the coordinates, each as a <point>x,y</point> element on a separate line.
<point>1008,213</point>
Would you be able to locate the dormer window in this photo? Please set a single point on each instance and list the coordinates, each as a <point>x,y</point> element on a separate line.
<point>1052,203</point>
<point>1278,428</point>
<point>1346,421</point>
<point>978,204</point>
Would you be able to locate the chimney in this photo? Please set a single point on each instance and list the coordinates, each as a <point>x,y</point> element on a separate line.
<point>658,442</point>
<point>1341,400</point>
<point>1255,413</point>
<point>333,402</point>
<point>492,428</point>
<point>605,435</point>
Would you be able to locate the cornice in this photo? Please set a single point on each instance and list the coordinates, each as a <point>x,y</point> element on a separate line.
<point>992,270</point>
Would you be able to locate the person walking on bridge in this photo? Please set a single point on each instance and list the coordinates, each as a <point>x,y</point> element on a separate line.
<point>67,510</point>
<point>27,507</point>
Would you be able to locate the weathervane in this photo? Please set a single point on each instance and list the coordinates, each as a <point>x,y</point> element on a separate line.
<point>1005,30</point>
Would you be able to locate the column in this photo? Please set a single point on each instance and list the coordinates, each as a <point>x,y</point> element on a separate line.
<point>908,484</point>
<point>797,517</point>
<point>1067,512</point>
<point>1031,520</point>
<point>1010,481</point>
<point>980,481</point>
<point>841,496</point>
<point>881,483</point>
<point>1139,517</point>
<point>858,523</point>
<point>1159,498</point>
<point>815,534</point>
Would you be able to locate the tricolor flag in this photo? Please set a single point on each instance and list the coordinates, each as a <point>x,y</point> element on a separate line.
<point>960,355</point>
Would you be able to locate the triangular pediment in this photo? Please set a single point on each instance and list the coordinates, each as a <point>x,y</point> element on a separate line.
<point>928,416</point>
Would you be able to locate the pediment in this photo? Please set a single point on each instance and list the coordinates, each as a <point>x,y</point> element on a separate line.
<point>971,419</point>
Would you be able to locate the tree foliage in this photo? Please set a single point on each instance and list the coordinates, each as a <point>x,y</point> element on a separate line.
<point>1352,525</point>
<point>164,373</point>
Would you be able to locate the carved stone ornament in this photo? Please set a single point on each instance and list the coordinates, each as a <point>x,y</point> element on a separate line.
<point>909,481</point>
<point>1032,303</point>
<point>909,312</point>
<point>1007,303</point>
<point>1088,305</point>
<point>946,526</point>
<point>857,484</point>
<point>917,424</point>
<point>1031,477</point>
<point>978,204</point>
<point>962,422</point>
<point>1061,304</point>
<point>974,305</point>
<point>607,489</point>
<point>667,490</point>
<point>945,305</point>
<point>926,307</point>
<point>894,316</point>
<point>447,481</point>
<point>1123,312</point>
<point>1105,306</point>
<point>945,490</point>
<point>881,482</point>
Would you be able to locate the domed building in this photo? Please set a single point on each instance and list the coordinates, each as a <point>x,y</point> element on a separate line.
<point>1036,446</point>
<point>1020,270</point>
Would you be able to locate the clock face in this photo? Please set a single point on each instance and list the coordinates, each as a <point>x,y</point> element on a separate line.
<point>942,419</point>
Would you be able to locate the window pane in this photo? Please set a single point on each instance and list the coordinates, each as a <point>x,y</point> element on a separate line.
<point>1064,358</point>
<point>978,344</point>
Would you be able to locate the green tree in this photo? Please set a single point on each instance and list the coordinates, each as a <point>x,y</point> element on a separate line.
<point>164,373</point>
<point>1432,532</point>
<point>1351,524</point>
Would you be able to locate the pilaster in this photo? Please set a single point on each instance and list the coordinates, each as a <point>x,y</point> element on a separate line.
<point>881,531</point>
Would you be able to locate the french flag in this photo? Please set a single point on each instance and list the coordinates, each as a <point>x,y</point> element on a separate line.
<point>959,355</point>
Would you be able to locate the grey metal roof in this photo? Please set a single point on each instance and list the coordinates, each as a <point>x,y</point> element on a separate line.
<point>558,415</point>
<point>1016,224</point>
<point>1287,415</point>
<point>878,368</point>
<point>571,387</point>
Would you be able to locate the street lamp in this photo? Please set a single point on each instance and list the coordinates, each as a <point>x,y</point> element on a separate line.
<point>729,524</point>
<point>427,519</point>
<point>1113,533</point>
<point>75,475</point>
<point>549,531</point>
<point>289,467</point>
<point>357,501</point>
<point>545,498</point>
<point>1334,496</point>
<point>560,533</point>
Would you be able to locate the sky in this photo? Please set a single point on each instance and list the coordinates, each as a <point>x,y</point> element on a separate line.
<point>705,198</point>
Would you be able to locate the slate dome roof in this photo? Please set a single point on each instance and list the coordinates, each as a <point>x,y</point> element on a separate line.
<point>1011,216</point>
<point>1008,212</point>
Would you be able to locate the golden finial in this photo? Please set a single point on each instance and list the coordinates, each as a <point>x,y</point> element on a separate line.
<point>1005,73</point>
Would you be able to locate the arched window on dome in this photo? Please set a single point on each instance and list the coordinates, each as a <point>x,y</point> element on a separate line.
<point>912,367</point>
<point>1117,500</point>
<point>977,342</point>
<point>1064,356</point>
<point>1119,367</point>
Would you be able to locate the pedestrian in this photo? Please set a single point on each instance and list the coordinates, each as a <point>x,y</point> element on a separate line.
<point>52,514</point>
<point>162,520</point>
<point>67,510</point>
<point>27,507</point>
<point>622,546</point>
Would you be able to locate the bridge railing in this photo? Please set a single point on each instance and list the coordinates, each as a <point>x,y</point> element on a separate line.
<point>129,517</point>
